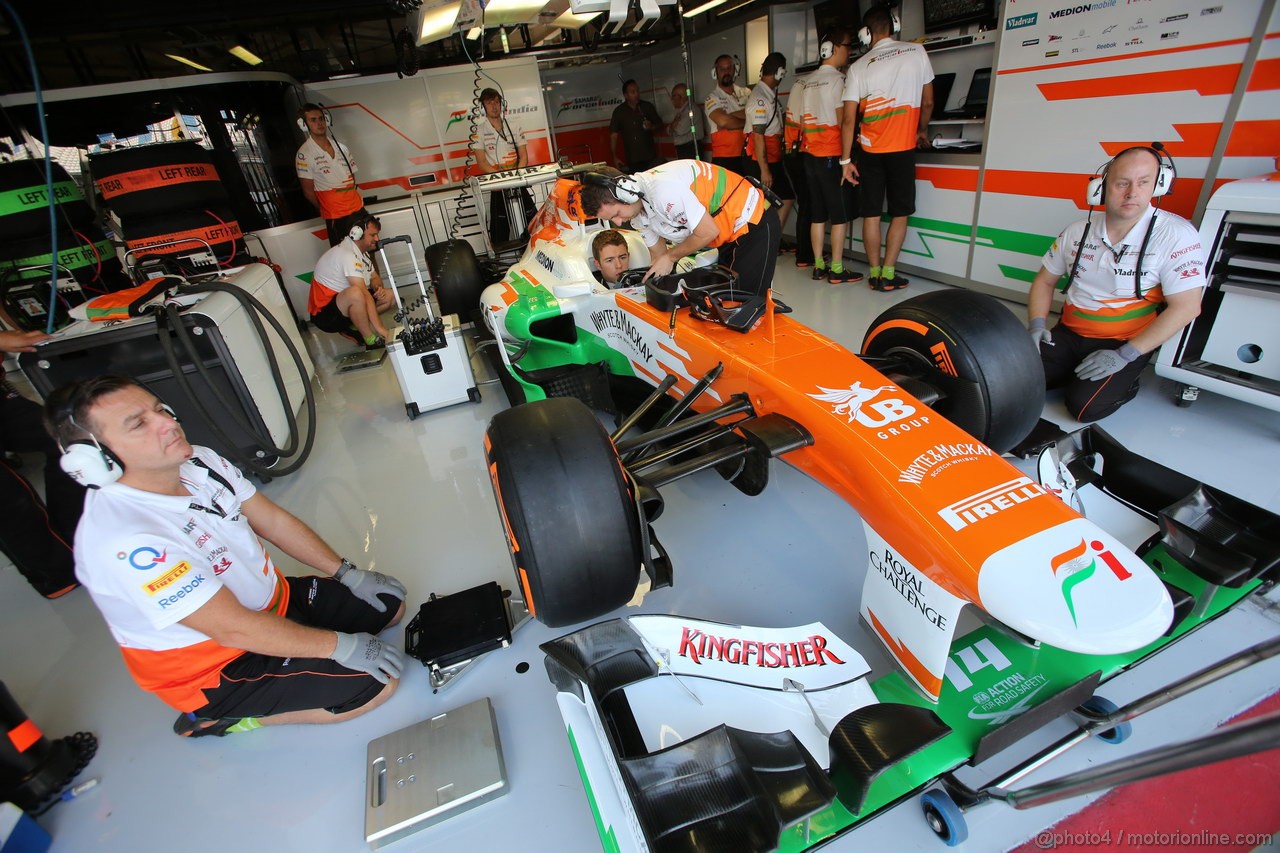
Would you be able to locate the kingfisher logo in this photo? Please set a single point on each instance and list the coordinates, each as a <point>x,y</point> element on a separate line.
<point>143,559</point>
<point>1077,565</point>
<point>455,117</point>
<point>1017,22</point>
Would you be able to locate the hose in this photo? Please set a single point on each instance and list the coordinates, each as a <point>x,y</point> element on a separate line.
<point>169,319</point>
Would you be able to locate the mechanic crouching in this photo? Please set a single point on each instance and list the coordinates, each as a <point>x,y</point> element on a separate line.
<point>172,548</point>
<point>685,206</point>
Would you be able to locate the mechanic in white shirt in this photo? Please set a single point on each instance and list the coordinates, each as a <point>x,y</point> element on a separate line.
<point>1135,277</point>
<point>346,290</point>
<point>500,145</point>
<point>326,172</point>
<point>172,548</point>
<point>726,109</point>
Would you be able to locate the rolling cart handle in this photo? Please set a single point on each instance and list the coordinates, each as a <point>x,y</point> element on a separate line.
<point>417,272</point>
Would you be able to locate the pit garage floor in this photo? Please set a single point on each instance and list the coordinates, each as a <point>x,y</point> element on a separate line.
<point>413,499</point>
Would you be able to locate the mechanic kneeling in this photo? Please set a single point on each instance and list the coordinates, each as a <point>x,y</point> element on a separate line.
<point>171,547</point>
<point>685,206</point>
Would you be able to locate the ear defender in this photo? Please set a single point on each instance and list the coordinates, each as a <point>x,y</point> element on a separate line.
<point>864,37</point>
<point>90,464</point>
<point>168,410</point>
<point>1096,194</point>
<point>356,233</point>
<point>627,190</point>
<point>827,48</point>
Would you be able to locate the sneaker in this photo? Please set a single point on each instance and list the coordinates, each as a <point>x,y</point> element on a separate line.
<point>819,273</point>
<point>58,593</point>
<point>844,276</point>
<point>886,284</point>
<point>189,725</point>
<point>787,248</point>
<point>873,282</point>
<point>379,342</point>
<point>802,264</point>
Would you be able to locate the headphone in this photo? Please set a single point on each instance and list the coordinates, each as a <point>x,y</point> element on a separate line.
<point>625,188</point>
<point>92,465</point>
<point>737,69</point>
<point>1096,195</point>
<point>310,108</point>
<point>779,73</point>
<point>357,228</point>
<point>895,27</point>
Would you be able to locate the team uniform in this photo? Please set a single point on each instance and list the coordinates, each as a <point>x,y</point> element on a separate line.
<point>1103,306</point>
<point>335,184</point>
<point>344,261</point>
<point>501,149</point>
<point>726,145</point>
<point>151,560</point>
<point>794,159</point>
<point>677,195</point>
<point>820,140</point>
<point>766,116</point>
<point>887,83</point>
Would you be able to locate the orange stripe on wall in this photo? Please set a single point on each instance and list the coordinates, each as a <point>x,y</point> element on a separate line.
<point>1214,80</point>
<point>1130,56</point>
<point>1266,75</point>
<point>1254,139</point>
<point>1181,201</point>
<point>949,179</point>
<point>1194,140</point>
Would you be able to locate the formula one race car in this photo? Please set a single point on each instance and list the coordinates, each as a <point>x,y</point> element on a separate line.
<point>909,433</point>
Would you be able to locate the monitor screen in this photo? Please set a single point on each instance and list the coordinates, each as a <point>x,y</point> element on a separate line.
<point>943,14</point>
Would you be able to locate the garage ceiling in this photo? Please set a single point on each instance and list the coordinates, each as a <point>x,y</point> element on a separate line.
<point>308,39</point>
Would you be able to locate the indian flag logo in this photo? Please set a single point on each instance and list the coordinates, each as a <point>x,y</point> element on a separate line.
<point>1073,568</point>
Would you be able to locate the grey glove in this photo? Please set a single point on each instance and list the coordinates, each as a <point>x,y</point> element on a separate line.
<point>1039,334</point>
<point>1104,362</point>
<point>366,653</point>
<point>366,585</point>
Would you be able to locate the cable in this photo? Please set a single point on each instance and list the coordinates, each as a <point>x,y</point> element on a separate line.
<point>48,162</point>
<point>170,319</point>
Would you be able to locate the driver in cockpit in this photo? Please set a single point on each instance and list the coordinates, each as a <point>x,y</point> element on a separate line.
<point>609,248</point>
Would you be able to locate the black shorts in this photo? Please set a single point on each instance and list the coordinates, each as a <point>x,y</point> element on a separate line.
<point>781,177</point>
<point>894,174</point>
<point>828,199</point>
<point>733,164</point>
<point>330,319</point>
<point>255,685</point>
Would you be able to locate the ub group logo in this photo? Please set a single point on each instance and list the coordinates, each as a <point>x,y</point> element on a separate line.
<point>849,402</point>
<point>1071,570</point>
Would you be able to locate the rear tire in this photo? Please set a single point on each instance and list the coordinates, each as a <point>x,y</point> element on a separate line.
<point>971,336</point>
<point>456,274</point>
<point>568,511</point>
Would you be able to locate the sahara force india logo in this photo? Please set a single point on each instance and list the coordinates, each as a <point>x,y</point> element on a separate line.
<point>1077,565</point>
<point>455,117</point>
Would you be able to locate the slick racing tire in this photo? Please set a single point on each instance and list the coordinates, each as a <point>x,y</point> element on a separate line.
<point>456,273</point>
<point>974,338</point>
<point>567,509</point>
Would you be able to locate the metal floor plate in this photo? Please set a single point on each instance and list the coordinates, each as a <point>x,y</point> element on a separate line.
<point>430,771</point>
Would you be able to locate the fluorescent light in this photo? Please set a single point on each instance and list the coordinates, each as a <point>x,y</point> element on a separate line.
<point>474,33</point>
<point>571,20</point>
<point>508,12</point>
<point>705,7</point>
<point>438,21</point>
<point>245,55</point>
<point>193,64</point>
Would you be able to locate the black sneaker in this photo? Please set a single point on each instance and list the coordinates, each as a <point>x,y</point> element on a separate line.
<point>189,725</point>
<point>379,342</point>
<point>819,273</point>
<point>887,284</point>
<point>844,276</point>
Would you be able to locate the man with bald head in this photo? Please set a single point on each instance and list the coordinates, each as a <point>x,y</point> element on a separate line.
<point>1134,276</point>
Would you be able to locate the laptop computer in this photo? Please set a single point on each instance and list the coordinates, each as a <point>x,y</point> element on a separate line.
<point>975,100</point>
<point>942,84</point>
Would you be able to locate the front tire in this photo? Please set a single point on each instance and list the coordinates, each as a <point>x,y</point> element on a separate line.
<point>973,337</point>
<point>568,511</point>
<point>455,272</point>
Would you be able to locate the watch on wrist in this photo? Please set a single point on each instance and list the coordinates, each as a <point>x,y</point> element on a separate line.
<point>343,567</point>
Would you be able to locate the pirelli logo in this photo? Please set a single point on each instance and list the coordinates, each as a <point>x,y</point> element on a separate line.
<point>994,500</point>
<point>167,579</point>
